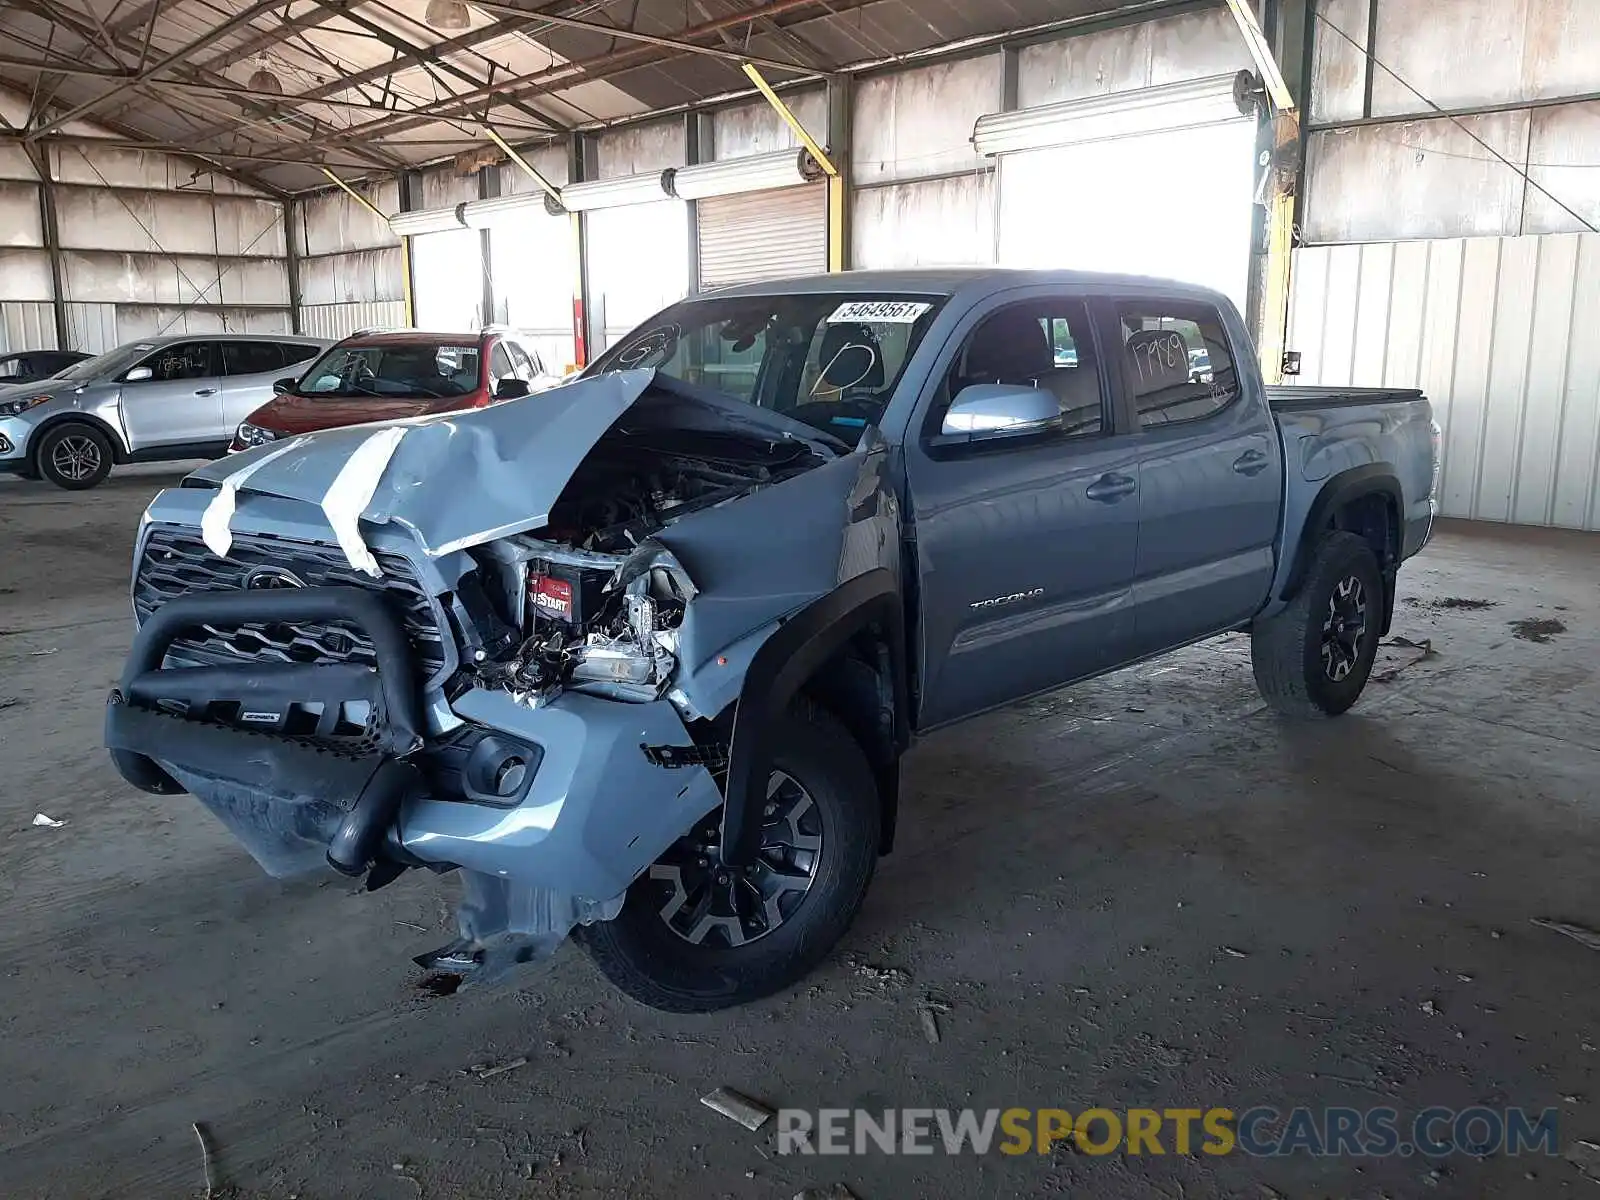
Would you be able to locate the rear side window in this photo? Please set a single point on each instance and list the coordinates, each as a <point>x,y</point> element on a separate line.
<point>251,358</point>
<point>297,352</point>
<point>1177,361</point>
<point>10,367</point>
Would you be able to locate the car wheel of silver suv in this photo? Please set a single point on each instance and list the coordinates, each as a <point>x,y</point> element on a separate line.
<point>74,456</point>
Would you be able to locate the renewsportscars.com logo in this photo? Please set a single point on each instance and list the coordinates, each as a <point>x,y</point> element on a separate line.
<point>1260,1132</point>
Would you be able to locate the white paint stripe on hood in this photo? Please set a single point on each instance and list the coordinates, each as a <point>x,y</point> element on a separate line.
<point>215,522</point>
<point>351,491</point>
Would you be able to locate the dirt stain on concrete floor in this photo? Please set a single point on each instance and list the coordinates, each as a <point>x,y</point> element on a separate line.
<point>1144,892</point>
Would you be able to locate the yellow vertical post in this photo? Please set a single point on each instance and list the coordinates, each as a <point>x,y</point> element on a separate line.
<point>405,242</point>
<point>835,179</point>
<point>1280,250</point>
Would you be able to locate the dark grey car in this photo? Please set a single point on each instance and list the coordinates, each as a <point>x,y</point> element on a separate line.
<point>639,656</point>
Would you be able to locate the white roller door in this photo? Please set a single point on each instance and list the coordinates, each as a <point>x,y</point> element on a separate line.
<point>1155,182</point>
<point>447,269</point>
<point>763,235</point>
<point>638,263</point>
<point>534,261</point>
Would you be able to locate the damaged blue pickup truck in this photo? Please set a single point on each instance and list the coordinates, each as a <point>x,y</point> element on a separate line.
<point>639,657</point>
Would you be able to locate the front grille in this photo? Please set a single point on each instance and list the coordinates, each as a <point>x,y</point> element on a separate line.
<point>177,562</point>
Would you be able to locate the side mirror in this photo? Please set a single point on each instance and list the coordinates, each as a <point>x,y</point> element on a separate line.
<point>138,375</point>
<point>511,388</point>
<point>282,386</point>
<point>1000,410</point>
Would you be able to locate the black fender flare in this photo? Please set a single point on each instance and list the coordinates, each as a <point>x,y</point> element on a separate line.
<point>119,449</point>
<point>1339,490</point>
<point>775,676</point>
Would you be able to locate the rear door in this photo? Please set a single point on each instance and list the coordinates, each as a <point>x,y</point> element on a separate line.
<point>181,402</point>
<point>1025,547</point>
<point>1210,471</point>
<point>250,369</point>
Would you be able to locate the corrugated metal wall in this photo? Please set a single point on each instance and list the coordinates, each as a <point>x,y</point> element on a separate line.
<point>922,196</point>
<point>352,270</point>
<point>27,312</point>
<point>1498,332</point>
<point>1463,278</point>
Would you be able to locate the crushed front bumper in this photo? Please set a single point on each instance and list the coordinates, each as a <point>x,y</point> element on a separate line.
<point>587,811</point>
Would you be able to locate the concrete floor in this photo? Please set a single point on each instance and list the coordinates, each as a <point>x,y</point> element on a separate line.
<point>1069,875</point>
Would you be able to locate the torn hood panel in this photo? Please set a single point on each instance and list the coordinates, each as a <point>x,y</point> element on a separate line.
<point>456,479</point>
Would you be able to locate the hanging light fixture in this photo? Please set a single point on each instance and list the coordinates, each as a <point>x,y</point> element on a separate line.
<point>447,15</point>
<point>263,80</point>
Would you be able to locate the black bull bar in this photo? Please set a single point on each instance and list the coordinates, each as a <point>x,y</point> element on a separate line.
<point>277,793</point>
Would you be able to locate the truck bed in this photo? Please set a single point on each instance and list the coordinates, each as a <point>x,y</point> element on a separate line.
<point>1299,397</point>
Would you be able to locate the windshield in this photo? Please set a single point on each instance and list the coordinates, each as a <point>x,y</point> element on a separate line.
<point>413,370</point>
<point>108,365</point>
<point>831,360</point>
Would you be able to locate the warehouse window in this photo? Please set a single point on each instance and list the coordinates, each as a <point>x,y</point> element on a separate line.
<point>1178,364</point>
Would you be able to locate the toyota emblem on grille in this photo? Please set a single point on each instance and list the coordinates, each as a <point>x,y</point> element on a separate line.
<point>267,578</point>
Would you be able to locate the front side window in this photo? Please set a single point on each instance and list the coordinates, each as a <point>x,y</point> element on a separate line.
<point>1044,344</point>
<point>520,365</point>
<point>182,360</point>
<point>499,365</point>
<point>1178,362</point>
<point>251,358</point>
<point>408,370</point>
<point>831,359</point>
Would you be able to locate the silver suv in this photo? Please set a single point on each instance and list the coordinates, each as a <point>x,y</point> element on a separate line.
<point>148,401</point>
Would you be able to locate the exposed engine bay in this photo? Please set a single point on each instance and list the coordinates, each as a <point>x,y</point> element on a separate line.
<point>595,598</point>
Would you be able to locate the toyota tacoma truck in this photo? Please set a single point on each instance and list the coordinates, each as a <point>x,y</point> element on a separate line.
<point>639,657</point>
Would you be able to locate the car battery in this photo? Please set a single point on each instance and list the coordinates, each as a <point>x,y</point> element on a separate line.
<point>568,594</point>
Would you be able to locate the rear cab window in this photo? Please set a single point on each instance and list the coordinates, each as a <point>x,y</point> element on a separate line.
<point>1177,362</point>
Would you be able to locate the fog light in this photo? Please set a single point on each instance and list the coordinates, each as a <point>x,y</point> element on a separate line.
<point>499,770</point>
<point>5,444</point>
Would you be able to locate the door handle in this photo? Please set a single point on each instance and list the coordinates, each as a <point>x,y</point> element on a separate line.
<point>205,391</point>
<point>1110,488</point>
<point>1251,462</point>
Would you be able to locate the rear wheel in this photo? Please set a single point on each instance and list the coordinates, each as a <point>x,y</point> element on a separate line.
<point>695,936</point>
<point>74,456</point>
<point>1313,658</point>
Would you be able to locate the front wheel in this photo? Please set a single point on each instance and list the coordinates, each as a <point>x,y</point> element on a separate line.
<point>74,456</point>
<point>1313,658</point>
<point>695,936</point>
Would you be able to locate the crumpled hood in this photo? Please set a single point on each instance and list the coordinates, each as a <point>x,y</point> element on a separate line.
<point>453,479</point>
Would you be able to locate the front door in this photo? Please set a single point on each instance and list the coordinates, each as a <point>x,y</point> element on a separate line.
<point>1025,546</point>
<point>1210,472</point>
<point>180,403</point>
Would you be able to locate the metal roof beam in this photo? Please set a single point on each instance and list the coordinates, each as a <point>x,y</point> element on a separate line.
<point>216,33</point>
<point>589,70</point>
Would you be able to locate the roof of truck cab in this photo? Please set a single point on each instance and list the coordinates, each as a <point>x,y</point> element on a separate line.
<point>947,281</point>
